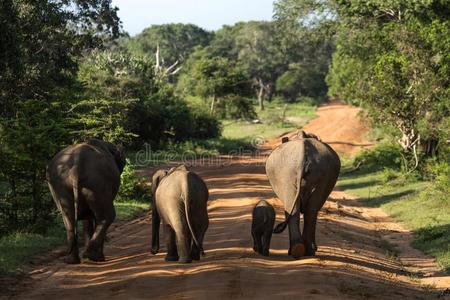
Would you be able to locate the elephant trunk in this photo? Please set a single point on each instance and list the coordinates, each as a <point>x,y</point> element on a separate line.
<point>282,226</point>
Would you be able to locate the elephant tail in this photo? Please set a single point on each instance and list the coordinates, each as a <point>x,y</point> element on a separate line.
<point>187,205</point>
<point>282,226</point>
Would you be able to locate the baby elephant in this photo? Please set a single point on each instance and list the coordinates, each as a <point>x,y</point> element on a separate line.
<point>180,202</point>
<point>262,227</point>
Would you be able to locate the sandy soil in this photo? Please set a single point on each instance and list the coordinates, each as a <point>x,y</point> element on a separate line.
<point>340,126</point>
<point>352,261</point>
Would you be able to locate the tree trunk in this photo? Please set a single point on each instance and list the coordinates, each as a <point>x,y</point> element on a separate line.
<point>213,103</point>
<point>430,147</point>
<point>261,94</point>
<point>409,141</point>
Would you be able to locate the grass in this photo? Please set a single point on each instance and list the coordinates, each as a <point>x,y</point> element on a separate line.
<point>417,204</point>
<point>272,122</point>
<point>129,209</point>
<point>19,248</point>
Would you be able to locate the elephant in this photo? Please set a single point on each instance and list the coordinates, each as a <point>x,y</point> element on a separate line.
<point>84,180</point>
<point>302,173</point>
<point>180,201</point>
<point>262,227</point>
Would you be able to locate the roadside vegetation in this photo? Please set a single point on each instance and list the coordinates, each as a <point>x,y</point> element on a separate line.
<point>418,199</point>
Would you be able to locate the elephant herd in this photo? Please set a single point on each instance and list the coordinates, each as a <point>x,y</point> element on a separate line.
<point>85,178</point>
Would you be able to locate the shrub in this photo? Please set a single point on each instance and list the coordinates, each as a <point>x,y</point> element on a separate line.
<point>236,107</point>
<point>132,185</point>
<point>381,156</point>
<point>440,173</point>
<point>388,175</point>
<point>204,126</point>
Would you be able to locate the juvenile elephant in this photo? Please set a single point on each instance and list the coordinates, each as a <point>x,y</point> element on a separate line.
<point>180,201</point>
<point>302,173</point>
<point>83,180</point>
<point>262,227</point>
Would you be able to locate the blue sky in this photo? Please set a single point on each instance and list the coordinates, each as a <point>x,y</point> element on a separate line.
<point>209,14</point>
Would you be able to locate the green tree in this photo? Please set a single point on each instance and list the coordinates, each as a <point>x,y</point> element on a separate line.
<point>305,31</point>
<point>176,41</point>
<point>259,56</point>
<point>40,45</point>
<point>212,78</point>
<point>396,63</point>
<point>127,100</point>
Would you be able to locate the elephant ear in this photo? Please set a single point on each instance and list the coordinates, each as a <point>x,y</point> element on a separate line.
<point>156,179</point>
<point>119,157</point>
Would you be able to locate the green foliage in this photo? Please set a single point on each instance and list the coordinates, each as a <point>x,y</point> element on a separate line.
<point>440,173</point>
<point>215,79</point>
<point>103,119</point>
<point>204,125</point>
<point>388,175</point>
<point>130,104</point>
<point>132,185</point>
<point>421,205</point>
<point>27,142</point>
<point>176,41</point>
<point>272,123</point>
<point>40,54</point>
<point>392,57</point>
<point>383,155</point>
<point>236,107</point>
<point>301,81</point>
<point>304,32</point>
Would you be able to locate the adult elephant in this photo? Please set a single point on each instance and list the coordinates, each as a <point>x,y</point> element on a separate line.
<point>302,173</point>
<point>84,180</point>
<point>180,201</point>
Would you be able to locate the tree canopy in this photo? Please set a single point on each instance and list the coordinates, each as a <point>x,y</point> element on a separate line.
<point>176,41</point>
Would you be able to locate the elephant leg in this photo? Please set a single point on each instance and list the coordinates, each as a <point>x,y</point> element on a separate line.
<point>94,250</point>
<point>255,238</point>
<point>317,199</point>
<point>73,256</point>
<point>65,204</point>
<point>195,251</point>
<point>296,246</point>
<point>172,253</point>
<point>309,232</point>
<point>88,231</point>
<point>266,242</point>
<point>259,243</point>
<point>183,241</point>
<point>156,220</point>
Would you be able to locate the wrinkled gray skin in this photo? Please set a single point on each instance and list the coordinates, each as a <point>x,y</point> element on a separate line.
<point>180,202</point>
<point>262,227</point>
<point>302,173</point>
<point>83,180</point>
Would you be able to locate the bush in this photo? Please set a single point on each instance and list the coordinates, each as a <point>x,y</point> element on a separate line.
<point>310,100</point>
<point>236,107</point>
<point>440,173</point>
<point>388,175</point>
<point>132,185</point>
<point>381,156</point>
<point>204,126</point>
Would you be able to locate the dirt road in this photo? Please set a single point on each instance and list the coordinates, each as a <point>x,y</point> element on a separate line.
<point>351,262</point>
